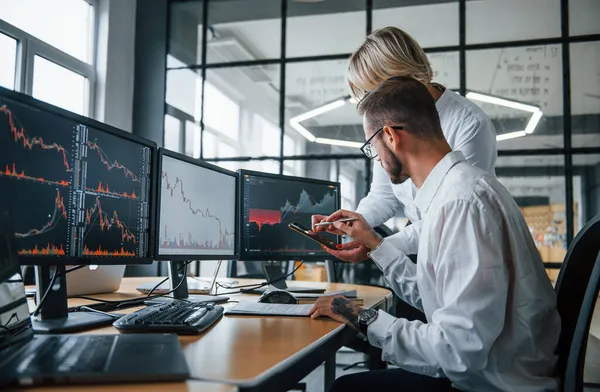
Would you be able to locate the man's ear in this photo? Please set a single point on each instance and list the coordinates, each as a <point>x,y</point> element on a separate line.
<point>391,137</point>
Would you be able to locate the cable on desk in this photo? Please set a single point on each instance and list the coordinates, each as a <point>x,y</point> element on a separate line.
<point>134,301</point>
<point>41,303</point>
<point>259,285</point>
<point>54,277</point>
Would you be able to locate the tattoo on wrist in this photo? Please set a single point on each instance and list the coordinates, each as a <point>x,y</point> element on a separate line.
<point>346,309</point>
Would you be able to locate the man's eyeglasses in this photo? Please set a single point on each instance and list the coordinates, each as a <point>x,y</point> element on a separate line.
<point>368,149</point>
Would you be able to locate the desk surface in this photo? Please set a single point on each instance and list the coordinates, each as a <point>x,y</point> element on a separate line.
<point>246,350</point>
<point>189,386</point>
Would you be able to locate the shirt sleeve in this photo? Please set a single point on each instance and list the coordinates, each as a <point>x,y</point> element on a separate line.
<point>399,271</point>
<point>477,141</point>
<point>407,239</point>
<point>471,282</point>
<point>380,204</point>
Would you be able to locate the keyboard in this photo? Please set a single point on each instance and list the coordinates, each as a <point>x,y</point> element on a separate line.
<point>67,354</point>
<point>180,317</point>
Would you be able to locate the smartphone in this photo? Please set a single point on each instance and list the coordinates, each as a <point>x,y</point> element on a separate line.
<point>313,236</point>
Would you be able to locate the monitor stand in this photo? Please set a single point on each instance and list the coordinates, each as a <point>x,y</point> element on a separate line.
<point>54,317</point>
<point>178,280</point>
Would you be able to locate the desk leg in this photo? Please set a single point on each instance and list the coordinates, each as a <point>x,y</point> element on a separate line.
<point>329,370</point>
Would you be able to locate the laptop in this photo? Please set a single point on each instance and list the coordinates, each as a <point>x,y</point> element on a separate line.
<point>27,359</point>
<point>274,274</point>
<point>94,279</point>
<point>91,279</point>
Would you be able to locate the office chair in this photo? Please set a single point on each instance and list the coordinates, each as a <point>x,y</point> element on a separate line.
<point>576,293</point>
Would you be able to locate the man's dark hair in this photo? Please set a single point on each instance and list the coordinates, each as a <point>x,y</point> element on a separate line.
<point>403,101</point>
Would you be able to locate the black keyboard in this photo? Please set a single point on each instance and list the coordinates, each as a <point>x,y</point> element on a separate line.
<point>181,317</point>
<point>69,353</point>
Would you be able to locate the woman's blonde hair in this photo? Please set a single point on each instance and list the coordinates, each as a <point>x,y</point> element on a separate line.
<point>386,53</point>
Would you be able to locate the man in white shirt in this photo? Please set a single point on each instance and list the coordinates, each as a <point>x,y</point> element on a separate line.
<point>392,52</point>
<point>492,323</point>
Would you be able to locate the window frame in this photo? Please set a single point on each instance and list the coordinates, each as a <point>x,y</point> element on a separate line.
<point>29,46</point>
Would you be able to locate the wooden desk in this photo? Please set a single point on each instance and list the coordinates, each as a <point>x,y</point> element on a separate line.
<point>261,353</point>
<point>189,386</point>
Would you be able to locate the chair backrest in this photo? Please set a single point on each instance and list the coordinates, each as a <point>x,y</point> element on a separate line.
<point>573,377</point>
<point>572,285</point>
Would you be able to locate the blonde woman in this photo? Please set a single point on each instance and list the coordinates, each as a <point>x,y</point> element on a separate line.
<point>390,52</point>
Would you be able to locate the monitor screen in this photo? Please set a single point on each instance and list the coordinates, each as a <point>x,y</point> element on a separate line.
<point>270,203</point>
<point>197,213</point>
<point>78,188</point>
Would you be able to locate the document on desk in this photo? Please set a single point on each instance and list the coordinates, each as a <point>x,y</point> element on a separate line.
<point>262,309</point>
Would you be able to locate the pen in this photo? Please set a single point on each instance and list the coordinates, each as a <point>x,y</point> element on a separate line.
<point>330,223</point>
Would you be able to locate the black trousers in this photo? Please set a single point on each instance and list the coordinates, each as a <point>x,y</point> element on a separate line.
<point>391,380</point>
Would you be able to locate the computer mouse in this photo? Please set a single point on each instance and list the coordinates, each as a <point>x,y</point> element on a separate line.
<point>278,297</point>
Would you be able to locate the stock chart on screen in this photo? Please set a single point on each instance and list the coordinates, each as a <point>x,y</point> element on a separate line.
<point>270,203</point>
<point>75,191</point>
<point>197,209</point>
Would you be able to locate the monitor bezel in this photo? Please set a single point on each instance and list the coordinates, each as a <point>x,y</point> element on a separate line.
<point>205,165</point>
<point>263,256</point>
<point>27,100</point>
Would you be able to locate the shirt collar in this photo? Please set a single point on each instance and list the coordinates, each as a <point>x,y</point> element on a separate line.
<point>433,181</point>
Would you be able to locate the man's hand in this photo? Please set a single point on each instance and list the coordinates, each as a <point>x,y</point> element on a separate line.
<point>322,218</point>
<point>352,252</point>
<point>360,231</point>
<point>338,308</point>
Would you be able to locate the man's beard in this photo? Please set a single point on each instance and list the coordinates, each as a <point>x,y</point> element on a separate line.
<point>397,176</point>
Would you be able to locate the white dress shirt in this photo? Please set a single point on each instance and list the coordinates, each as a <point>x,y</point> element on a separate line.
<point>491,310</point>
<point>467,129</point>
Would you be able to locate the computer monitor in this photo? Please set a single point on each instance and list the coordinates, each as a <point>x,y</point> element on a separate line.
<point>197,214</point>
<point>269,203</point>
<point>81,192</point>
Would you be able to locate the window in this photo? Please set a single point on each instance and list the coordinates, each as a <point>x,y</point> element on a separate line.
<point>221,113</point>
<point>64,24</point>
<point>347,192</point>
<point>227,151</point>
<point>56,46</point>
<point>192,139</point>
<point>172,140</point>
<point>270,136</point>
<point>8,48</point>
<point>59,86</point>
<point>312,29</point>
<point>209,145</point>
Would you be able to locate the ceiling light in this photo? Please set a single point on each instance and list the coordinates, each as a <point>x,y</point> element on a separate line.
<point>319,110</point>
<point>531,124</point>
<point>510,135</point>
<point>502,102</point>
<point>295,121</point>
<point>337,142</point>
<point>302,131</point>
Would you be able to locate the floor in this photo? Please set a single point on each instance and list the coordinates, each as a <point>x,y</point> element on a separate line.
<point>314,381</point>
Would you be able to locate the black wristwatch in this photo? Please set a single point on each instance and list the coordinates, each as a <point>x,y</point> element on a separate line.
<point>365,318</point>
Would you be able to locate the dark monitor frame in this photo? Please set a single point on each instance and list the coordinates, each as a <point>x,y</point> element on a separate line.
<point>245,256</point>
<point>24,99</point>
<point>171,154</point>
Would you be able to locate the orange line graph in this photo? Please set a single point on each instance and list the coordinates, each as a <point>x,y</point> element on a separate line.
<point>106,161</point>
<point>59,212</point>
<point>103,188</point>
<point>107,222</point>
<point>104,252</point>
<point>19,134</point>
<point>12,172</point>
<point>49,250</point>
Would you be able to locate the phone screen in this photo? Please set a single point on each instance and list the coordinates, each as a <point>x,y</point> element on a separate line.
<point>312,235</point>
